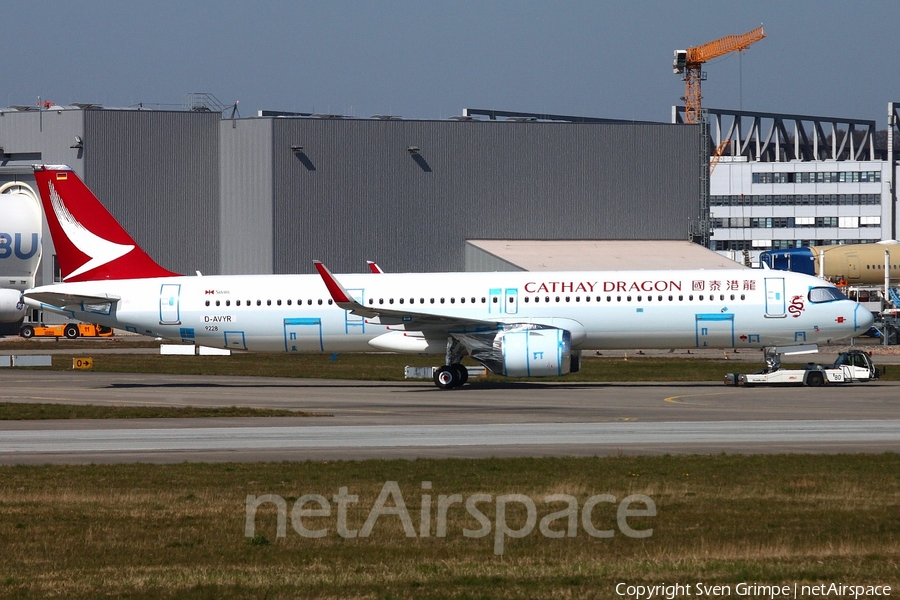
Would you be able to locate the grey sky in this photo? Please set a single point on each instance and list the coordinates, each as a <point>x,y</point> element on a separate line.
<point>422,59</point>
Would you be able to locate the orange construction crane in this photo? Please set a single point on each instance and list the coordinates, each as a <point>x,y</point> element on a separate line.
<point>690,63</point>
<point>717,154</point>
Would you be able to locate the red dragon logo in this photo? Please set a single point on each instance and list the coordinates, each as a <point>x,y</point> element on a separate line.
<point>797,306</point>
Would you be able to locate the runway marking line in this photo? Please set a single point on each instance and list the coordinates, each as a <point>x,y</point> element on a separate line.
<point>678,399</point>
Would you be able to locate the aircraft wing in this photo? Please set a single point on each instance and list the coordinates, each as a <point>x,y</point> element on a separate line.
<point>70,301</point>
<point>392,316</point>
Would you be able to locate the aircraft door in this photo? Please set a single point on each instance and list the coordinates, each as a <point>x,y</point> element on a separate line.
<point>853,271</point>
<point>715,330</point>
<point>355,321</point>
<point>303,334</point>
<point>494,299</point>
<point>776,305</point>
<point>236,340</point>
<point>511,301</point>
<point>169,304</point>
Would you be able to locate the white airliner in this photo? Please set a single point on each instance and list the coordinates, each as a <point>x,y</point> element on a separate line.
<point>514,323</point>
<point>20,248</point>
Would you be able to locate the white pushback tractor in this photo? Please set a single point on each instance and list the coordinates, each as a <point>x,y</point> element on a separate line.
<point>850,367</point>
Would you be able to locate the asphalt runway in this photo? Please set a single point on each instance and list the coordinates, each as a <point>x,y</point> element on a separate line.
<point>414,419</point>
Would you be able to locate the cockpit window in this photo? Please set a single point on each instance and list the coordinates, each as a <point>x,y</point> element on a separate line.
<point>817,295</point>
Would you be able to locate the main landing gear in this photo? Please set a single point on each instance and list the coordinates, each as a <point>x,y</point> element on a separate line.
<point>452,374</point>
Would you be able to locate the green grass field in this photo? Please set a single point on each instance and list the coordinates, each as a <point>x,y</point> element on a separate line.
<point>389,367</point>
<point>12,411</point>
<point>178,531</point>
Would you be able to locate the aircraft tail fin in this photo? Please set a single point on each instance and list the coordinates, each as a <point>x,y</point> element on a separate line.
<point>90,243</point>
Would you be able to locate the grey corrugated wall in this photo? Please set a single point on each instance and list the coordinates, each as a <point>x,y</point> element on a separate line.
<point>158,173</point>
<point>356,193</point>
<point>201,193</point>
<point>246,183</point>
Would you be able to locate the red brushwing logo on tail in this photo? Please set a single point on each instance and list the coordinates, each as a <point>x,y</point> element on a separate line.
<point>90,244</point>
<point>99,251</point>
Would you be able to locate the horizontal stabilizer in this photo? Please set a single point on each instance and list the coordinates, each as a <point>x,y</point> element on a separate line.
<point>69,301</point>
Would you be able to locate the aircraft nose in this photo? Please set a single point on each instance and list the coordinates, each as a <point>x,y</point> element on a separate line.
<point>864,318</point>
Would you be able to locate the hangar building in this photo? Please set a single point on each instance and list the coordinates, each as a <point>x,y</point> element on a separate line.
<point>271,193</point>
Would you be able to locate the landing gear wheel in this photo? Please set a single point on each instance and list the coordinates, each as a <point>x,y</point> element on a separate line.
<point>71,331</point>
<point>462,374</point>
<point>446,377</point>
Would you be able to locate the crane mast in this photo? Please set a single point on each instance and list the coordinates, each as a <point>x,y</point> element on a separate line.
<point>690,63</point>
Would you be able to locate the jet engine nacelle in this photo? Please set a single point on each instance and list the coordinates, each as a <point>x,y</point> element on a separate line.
<point>20,235</point>
<point>12,309</point>
<point>524,350</point>
<point>536,352</point>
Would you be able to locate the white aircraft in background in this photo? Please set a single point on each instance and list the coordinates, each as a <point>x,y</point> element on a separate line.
<point>519,324</point>
<point>20,248</point>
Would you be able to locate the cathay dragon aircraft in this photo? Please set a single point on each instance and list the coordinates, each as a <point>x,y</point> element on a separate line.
<point>519,324</point>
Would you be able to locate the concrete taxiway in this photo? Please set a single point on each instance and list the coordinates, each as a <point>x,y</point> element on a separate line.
<point>380,419</point>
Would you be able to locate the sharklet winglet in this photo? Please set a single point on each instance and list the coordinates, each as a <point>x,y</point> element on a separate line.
<point>337,291</point>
